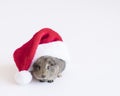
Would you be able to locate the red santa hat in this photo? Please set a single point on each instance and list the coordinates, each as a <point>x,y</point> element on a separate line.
<point>44,42</point>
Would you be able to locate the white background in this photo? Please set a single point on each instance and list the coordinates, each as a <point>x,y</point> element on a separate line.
<point>91,29</point>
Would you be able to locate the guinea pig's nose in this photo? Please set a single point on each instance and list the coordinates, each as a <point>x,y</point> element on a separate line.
<point>43,76</point>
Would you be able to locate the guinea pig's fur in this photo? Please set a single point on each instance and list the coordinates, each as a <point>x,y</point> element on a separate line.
<point>48,68</point>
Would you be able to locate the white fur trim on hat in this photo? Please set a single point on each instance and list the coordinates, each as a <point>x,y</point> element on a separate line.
<point>23,77</point>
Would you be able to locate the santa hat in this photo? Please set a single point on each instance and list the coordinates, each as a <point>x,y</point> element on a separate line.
<point>44,42</point>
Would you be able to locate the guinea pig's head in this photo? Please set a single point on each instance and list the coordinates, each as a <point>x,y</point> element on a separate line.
<point>45,68</point>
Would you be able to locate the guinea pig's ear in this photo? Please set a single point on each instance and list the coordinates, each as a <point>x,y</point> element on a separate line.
<point>60,62</point>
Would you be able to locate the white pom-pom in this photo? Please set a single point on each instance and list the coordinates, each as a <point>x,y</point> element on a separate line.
<point>23,77</point>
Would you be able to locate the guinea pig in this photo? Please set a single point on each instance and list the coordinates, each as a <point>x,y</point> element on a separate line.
<point>48,68</point>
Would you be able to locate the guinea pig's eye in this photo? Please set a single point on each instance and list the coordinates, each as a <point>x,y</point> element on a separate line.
<point>37,67</point>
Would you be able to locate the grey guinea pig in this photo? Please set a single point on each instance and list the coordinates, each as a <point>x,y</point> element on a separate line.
<point>48,68</point>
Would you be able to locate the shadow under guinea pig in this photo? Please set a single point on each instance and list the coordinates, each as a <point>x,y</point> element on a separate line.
<point>7,72</point>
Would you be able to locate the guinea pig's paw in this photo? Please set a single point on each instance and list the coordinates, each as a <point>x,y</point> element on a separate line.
<point>59,75</point>
<point>50,81</point>
<point>42,80</point>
